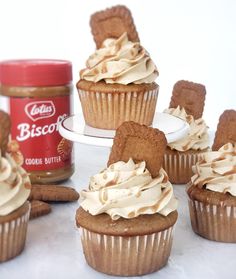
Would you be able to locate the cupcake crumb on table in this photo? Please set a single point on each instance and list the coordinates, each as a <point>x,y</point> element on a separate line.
<point>126,216</point>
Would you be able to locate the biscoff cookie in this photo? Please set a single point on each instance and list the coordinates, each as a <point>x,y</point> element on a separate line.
<point>112,23</point>
<point>56,193</point>
<point>139,142</point>
<point>226,129</point>
<point>190,96</point>
<point>5,128</point>
<point>13,148</point>
<point>39,208</point>
<point>64,149</point>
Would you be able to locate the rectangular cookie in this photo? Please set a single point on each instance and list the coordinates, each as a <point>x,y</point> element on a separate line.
<point>190,96</point>
<point>141,143</point>
<point>112,23</point>
<point>226,129</point>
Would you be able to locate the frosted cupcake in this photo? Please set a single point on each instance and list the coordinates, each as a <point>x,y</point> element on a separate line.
<point>182,154</point>
<point>127,216</point>
<point>212,195</point>
<point>14,208</point>
<point>118,83</point>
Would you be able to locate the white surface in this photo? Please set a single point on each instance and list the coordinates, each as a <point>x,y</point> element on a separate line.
<point>187,39</point>
<point>53,248</point>
<point>73,128</point>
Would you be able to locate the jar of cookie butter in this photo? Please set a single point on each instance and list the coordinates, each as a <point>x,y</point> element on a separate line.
<point>37,95</point>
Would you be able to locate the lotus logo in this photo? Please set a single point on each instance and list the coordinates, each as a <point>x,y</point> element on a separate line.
<point>39,110</point>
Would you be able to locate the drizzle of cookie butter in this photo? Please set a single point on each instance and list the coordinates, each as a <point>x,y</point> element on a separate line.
<point>185,147</point>
<point>226,190</point>
<point>14,183</point>
<point>138,194</point>
<point>213,165</point>
<point>3,169</point>
<point>111,183</point>
<point>155,207</point>
<point>24,175</point>
<point>131,214</point>
<point>232,171</point>
<point>104,69</point>
<point>103,196</point>
<point>231,177</point>
<point>165,179</point>
<point>225,147</point>
<point>27,185</point>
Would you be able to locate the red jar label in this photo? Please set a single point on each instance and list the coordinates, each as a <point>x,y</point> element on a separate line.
<point>35,124</point>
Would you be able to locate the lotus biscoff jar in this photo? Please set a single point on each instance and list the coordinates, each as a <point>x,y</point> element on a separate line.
<point>37,94</point>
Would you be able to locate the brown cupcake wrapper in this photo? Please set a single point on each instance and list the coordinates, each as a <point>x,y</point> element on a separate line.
<point>110,110</point>
<point>13,236</point>
<point>214,222</point>
<point>179,166</point>
<point>127,256</point>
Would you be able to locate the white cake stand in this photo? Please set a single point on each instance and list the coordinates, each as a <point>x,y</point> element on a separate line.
<point>74,128</point>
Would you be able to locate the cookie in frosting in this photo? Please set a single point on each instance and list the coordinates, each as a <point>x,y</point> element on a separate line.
<point>118,82</point>
<point>190,96</point>
<point>141,143</point>
<point>226,129</point>
<point>112,23</point>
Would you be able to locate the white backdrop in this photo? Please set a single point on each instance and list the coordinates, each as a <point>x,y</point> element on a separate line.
<point>193,40</point>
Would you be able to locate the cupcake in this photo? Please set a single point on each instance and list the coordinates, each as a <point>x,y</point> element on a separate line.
<point>118,83</point>
<point>187,104</point>
<point>14,208</point>
<point>212,195</point>
<point>127,215</point>
<point>212,190</point>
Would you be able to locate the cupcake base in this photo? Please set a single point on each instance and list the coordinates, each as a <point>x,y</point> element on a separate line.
<point>126,247</point>
<point>213,215</point>
<point>178,165</point>
<point>107,106</point>
<point>13,229</point>
<point>127,256</point>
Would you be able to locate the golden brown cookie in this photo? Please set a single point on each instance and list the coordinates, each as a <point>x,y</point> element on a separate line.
<point>190,96</point>
<point>112,23</point>
<point>39,208</point>
<point>226,129</point>
<point>141,143</point>
<point>64,149</point>
<point>13,148</point>
<point>53,193</point>
<point>5,128</point>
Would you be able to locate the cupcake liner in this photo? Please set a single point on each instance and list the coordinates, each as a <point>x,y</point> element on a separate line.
<point>179,166</point>
<point>110,110</point>
<point>127,256</point>
<point>13,236</point>
<point>214,222</point>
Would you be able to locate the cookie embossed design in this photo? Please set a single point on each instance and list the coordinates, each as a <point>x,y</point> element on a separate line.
<point>112,23</point>
<point>190,96</point>
<point>139,142</point>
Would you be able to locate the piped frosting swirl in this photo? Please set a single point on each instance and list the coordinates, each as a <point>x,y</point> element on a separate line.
<point>127,190</point>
